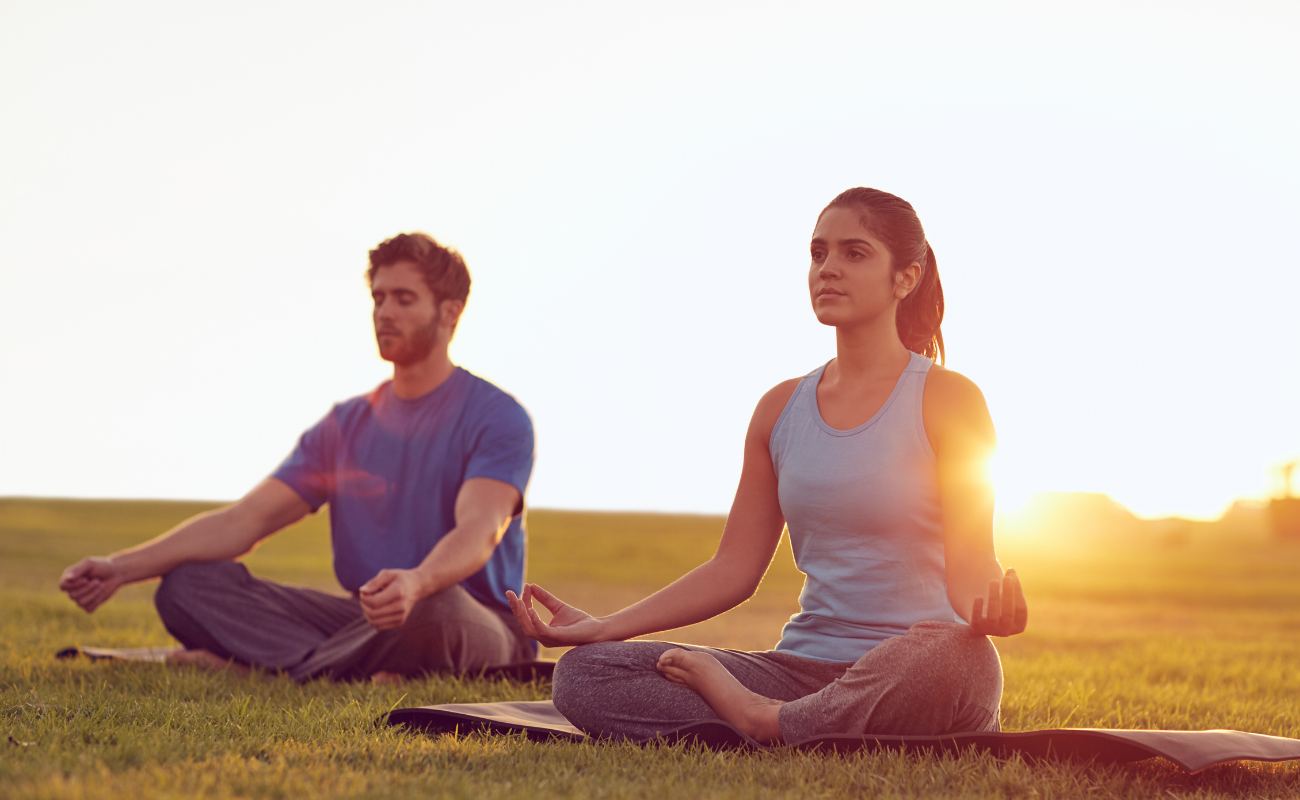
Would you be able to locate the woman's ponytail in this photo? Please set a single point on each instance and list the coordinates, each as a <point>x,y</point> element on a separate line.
<point>921,313</point>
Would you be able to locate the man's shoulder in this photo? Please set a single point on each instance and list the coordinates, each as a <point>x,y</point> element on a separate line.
<point>484,392</point>
<point>360,403</point>
<point>489,402</point>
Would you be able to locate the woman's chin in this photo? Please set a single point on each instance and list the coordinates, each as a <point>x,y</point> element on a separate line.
<point>832,317</point>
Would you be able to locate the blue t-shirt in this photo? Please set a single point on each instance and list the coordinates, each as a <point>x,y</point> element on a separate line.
<point>390,470</point>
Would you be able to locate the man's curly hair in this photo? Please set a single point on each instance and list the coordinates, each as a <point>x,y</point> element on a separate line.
<point>443,268</point>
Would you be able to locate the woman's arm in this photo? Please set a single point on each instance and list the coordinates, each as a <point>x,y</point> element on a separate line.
<point>961,434</point>
<point>721,583</point>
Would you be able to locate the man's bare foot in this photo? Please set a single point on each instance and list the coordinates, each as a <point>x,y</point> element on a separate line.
<point>387,678</point>
<point>755,715</point>
<point>205,659</point>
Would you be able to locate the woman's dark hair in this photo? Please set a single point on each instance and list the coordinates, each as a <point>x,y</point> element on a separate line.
<point>894,222</point>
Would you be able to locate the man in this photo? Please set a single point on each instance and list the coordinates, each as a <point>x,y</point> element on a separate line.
<point>425,480</point>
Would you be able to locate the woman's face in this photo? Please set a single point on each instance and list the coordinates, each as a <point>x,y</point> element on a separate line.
<point>851,278</point>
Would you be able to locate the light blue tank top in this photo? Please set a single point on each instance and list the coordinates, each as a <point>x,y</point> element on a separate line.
<point>862,507</point>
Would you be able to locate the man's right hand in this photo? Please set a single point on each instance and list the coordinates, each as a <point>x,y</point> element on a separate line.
<point>569,626</point>
<point>220,535</point>
<point>91,581</point>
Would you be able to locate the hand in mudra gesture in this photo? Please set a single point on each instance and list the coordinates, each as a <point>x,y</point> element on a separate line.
<point>1006,614</point>
<point>568,625</point>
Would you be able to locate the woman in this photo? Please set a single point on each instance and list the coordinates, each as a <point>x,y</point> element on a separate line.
<point>876,462</point>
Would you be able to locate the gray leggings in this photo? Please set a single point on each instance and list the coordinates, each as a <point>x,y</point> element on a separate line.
<point>938,678</point>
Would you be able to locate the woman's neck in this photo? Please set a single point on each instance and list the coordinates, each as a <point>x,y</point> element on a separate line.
<point>870,350</point>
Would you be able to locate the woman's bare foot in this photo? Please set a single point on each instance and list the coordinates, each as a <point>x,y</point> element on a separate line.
<point>205,659</point>
<point>387,678</point>
<point>755,715</point>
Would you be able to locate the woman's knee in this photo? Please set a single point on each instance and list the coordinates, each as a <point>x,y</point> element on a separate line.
<point>967,658</point>
<point>964,644</point>
<point>589,676</point>
<point>956,639</point>
<point>576,672</point>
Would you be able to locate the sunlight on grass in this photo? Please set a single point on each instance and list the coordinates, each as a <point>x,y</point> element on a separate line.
<point>1143,637</point>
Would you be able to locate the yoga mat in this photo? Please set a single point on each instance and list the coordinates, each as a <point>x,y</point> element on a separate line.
<point>119,654</point>
<point>524,671</point>
<point>1194,751</point>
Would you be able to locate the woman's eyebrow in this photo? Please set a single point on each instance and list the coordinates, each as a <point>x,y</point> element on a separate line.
<point>844,242</point>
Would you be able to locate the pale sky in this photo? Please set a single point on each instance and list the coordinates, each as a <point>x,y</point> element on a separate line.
<point>187,195</point>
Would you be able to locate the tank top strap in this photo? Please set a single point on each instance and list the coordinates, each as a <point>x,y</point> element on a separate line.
<point>805,394</point>
<point>912,391</point>
<point>804,397</point>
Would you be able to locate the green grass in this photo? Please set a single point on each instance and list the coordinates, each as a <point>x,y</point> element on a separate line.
<point>1204,636</point>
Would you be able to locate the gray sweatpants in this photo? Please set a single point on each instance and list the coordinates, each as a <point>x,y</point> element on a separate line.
<point>221,607</point>
<point>938,678</point>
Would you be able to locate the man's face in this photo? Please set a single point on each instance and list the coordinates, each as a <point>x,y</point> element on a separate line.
<point>406,316</point>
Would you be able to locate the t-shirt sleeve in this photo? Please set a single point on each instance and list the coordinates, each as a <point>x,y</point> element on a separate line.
<point>504,448</point>
<point>308,468</point>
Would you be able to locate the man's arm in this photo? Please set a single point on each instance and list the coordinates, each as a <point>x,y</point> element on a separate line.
<point>225,533</point>
<point>484,508</point>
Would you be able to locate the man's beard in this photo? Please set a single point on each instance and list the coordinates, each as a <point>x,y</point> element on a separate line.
<point>414,348</point>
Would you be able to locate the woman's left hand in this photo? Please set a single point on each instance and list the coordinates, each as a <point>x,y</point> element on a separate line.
<point>1007,612</point>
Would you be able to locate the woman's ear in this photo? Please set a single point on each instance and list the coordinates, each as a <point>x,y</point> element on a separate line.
<point>906,279</point>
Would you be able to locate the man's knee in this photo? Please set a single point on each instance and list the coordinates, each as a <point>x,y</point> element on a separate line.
<point>451,631</point>
<point>185,582</point>
<point>450,605</point>
<point>447,619</point>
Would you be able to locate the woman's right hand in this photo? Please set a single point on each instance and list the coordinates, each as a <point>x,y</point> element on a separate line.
<point>569,626</point>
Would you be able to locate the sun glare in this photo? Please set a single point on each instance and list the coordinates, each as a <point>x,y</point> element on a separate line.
<point>1012,487</point>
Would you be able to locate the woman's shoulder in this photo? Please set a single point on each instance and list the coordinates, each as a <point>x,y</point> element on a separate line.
<point>951,387</point>
<point>770,406</point>
<point>953,406</point>
<point>779,395</point>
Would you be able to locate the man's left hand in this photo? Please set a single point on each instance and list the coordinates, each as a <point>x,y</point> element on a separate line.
<point>387,598</point>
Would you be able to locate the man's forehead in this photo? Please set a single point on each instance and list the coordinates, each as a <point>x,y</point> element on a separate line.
<point>399,275</point>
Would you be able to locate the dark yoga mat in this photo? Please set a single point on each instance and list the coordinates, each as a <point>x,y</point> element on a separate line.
<point>522,671</point>
<point>1191,750</point>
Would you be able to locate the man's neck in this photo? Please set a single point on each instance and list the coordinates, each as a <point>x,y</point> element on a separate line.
<point>413,380</point>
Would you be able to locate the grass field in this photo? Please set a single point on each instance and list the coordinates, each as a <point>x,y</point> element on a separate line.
<point>1205,635</point>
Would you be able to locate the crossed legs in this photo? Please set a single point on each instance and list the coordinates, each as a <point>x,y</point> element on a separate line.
<point>225,616</point>
<point>938,678</point>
